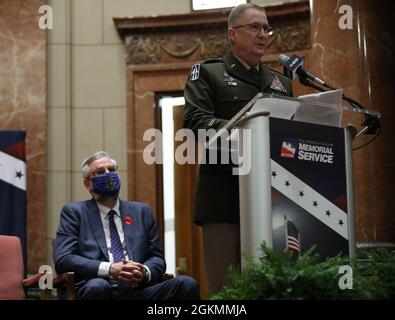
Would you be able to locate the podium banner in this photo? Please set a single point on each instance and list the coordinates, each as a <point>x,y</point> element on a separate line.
<point>309,187</point>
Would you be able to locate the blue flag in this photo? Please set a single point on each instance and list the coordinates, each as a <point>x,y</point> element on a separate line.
<point>13,186</point>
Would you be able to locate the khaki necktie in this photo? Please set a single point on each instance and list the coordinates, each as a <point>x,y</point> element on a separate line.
<point>255,74</point>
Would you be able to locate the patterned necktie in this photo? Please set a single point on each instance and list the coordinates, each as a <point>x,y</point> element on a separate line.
<point>116,245</point>
<point>117,254</point>
<point>255,74</point>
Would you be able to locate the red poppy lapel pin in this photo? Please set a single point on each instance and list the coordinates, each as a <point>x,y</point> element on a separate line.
<point>128,219</point>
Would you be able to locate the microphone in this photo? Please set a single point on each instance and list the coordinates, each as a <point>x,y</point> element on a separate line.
<point>293,66</point>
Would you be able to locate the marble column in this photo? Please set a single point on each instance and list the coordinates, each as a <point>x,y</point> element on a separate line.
<point>361,61</point>
<point>22,106</point>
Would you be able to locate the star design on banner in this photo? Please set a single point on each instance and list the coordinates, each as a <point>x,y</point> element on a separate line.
<point>13,171</point>
<point>309,199</point>
<point>18,174</point>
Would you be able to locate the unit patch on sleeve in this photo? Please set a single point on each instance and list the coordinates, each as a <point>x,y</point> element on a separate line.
<point>195,72</point>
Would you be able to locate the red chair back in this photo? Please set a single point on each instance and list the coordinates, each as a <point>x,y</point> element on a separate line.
<point>11,268</point>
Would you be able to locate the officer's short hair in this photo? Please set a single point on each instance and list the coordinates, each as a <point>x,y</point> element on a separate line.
<point>238,11</point>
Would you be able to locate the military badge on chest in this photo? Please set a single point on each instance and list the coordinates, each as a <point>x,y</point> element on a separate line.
<point>230,81</point>
<point>277,85</point>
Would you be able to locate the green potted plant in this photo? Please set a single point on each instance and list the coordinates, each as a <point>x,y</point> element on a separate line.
<point>281,275</point>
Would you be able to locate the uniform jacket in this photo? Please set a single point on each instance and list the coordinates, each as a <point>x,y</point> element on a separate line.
<point>215,91</point>
<point>80,243</point>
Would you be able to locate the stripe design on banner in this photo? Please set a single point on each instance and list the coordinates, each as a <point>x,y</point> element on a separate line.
<point>12,171</point>
<point>309,199</point>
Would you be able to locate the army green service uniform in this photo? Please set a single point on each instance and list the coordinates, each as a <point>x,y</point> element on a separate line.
<point>215,91</point>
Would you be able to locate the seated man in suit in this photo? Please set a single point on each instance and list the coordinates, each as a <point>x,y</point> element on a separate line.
<point>111,245</point>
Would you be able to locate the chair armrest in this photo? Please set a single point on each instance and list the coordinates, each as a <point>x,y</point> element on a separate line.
<point>63,280</point>
<point>32,281</point>
<point>58,281</point>
<point>66,280</point>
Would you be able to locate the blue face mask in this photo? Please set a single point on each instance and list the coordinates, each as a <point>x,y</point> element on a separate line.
<point>107,184</point>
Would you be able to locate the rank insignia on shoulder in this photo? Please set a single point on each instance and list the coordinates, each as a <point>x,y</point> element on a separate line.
<point>277,85</point>
<point>195,72</point>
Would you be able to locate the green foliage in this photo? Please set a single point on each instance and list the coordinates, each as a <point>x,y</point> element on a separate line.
<point>280,275</point>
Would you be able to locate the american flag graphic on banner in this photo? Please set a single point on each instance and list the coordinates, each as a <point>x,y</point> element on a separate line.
<point>293,238</point>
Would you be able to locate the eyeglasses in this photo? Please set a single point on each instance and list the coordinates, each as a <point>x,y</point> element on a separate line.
<point>256,27</point>
<point>102,170</point>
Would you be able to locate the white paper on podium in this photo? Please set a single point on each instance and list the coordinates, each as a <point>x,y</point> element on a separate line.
<point>321,108</point>
<point>278,108</point>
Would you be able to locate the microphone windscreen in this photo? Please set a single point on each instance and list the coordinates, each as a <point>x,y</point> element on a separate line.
<point>282,59</point>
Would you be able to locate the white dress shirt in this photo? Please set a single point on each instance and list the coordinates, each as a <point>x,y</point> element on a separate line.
<point>104,267</point>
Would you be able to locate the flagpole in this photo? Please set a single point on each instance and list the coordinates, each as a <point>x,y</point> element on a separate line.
<point>286,232</point>
<point>300,244</point>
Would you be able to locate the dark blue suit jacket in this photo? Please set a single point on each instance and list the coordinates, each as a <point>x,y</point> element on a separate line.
<point>80,245</point>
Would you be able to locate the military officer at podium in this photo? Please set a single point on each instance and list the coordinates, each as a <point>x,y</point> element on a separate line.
<point>215,91</point>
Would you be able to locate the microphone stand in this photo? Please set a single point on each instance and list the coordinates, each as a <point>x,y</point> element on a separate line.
<point>372,121</point>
